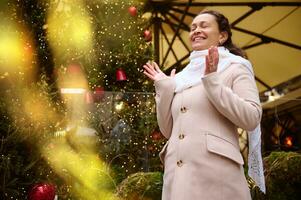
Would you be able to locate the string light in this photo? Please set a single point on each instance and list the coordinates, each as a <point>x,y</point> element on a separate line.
<point>98,58</point>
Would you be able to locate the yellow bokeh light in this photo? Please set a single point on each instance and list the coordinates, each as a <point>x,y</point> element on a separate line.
<point>15,50</point>
<point>83,164</point>
<point>119,106</point>
<point>69,31</point>
<point>10,50</point>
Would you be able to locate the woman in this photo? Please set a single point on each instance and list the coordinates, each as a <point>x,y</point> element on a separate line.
<point>199,110</point>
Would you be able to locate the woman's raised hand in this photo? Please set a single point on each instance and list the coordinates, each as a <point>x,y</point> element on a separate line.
<point>211,60</point>
<point>153,72</point>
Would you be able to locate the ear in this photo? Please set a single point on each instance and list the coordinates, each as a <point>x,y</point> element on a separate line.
<point>223,37</point>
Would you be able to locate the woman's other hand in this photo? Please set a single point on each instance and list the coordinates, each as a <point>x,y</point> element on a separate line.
<point>153,72</point>
<point>211,60</point>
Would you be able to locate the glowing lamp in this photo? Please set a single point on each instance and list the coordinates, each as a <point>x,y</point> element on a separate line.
<point>288,141</point>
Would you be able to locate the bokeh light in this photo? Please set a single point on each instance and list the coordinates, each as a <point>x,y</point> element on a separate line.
<point>69,29</point>
<point>16,51</point>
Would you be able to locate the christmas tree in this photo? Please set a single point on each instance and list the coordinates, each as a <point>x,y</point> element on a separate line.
<point>77,114</point>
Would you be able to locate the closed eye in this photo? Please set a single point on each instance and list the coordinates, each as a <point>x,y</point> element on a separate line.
<point>193,28</point>
<point>201,25</point>
<point>204,25</point>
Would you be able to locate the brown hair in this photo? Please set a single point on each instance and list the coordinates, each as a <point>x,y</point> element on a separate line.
<point>224,26</point>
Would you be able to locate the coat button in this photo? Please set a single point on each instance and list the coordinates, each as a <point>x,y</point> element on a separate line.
<point>183,109</point>
<point>181,136</point>
<point>180,163</point>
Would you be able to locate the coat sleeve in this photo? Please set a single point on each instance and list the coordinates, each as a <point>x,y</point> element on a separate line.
<point>164,95</point>
<point>240,104</point>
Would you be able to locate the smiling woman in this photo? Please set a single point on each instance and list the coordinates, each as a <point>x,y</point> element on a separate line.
<point>205,32</point>
<point>199,110</point>
<point>214,29</point>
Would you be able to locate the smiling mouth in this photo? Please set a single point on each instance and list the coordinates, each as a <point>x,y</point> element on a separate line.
<point>198,38</point>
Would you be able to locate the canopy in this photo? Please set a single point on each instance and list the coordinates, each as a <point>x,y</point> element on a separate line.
<point>269,31</point>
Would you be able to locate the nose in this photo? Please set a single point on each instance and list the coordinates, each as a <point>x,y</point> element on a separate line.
<point>197,30</point>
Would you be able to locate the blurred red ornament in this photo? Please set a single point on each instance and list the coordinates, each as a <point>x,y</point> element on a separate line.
<point>98,93</point>
<point>156,135</point>
<point>99,90</point>
<point>151,148</point>
<point>120,75</point>
<point>133,11</point>
<point>74,68</point>
<point>147,35</point>
<point>42,191</point>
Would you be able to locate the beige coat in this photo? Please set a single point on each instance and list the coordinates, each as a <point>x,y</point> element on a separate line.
<point>202,160</point>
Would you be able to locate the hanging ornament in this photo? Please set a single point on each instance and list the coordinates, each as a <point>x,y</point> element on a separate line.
<point>156,135</point>
<point>133,11</point>
<point>98,93</point>
<point>120,75</point>
<point>99,90</point>
<point>147,35</point>
<point>151,148</point>
<point>42,191</point>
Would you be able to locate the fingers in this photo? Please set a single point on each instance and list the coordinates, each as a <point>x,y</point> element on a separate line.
<point>152,68</point>
<point>153,71</point>
<point>207,66</point>
<point>156,67</point>
<point>149,75</point>
<point>150,65</point>
<point>215,56</point>
<point>173,73</point>
<point>211,55</point>
<point>211,60</point>
<point>149,69</point>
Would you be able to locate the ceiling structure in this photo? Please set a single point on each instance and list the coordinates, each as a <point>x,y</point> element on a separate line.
<point>269,32</point>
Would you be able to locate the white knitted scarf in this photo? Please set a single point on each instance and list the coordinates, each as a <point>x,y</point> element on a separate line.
<point>192,75</point>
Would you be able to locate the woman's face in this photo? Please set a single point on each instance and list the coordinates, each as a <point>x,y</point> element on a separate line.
<point>204,32</point>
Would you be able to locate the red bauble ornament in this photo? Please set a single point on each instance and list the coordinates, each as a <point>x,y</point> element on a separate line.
<point>133,11</point>
<point>99,90</point>
<point>156,135</point>
<point>42,191</point>
<point>151,148</point>
<point>120,75</point>
<point>98,93</point>
<point>147,35</point>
